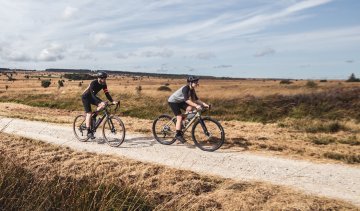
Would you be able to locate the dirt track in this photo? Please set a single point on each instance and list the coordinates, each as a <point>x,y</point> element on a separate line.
<point>331,180</point>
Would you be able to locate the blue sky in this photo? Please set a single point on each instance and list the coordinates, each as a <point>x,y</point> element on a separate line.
<point>309,39</point>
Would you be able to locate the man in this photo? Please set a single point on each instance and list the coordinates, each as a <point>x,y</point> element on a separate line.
<point>89,97</point>
<point>186,99</point>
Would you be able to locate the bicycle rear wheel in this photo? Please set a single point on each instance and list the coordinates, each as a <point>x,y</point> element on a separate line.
<point>114,131</point>
<point>79,128</point>
<point>164,129</point>
<point>208,134</point>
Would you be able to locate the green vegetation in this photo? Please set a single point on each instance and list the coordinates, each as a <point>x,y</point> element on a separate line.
<point>311,84</point>
<point>314,126</point>
<point>45,83</point>
<point>164,88</point>
<point>348,158</point>
<point>61,83</point>
<point>324,140</point>
<point>286,81</point>
<point>79,76</point>
<point>21,190</point>
<point>352,141</point>
<point>335,104</point>
<point>352,78</point>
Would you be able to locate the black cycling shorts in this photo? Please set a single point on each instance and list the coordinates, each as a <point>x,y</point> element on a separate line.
<point>87,102</point>
<point>176,107</point>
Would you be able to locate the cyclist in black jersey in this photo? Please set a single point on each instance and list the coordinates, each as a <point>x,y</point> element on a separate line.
<point>89,97</point>
<point>185,98</point>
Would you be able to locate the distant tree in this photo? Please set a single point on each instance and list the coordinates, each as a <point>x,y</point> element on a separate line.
<point>6,87</point>
<point>79,76</point>
<point>27,76</point>
<point>138,89</point>
<point>164,88</point>
<point>45,83</point>
<point>60,83</point>
<point>352,78</point>
<point>311,84</point>
<point>323,80</point>
<point>286,81</point>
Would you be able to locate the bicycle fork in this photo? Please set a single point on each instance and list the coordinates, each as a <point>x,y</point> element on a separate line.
<point>202,123</point>
<point>111,125</point>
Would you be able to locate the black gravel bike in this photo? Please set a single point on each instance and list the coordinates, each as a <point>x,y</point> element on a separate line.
<point>207,133</point>
<point>113,129</point>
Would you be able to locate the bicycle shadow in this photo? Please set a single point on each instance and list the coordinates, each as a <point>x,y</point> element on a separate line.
<point>137,142</point>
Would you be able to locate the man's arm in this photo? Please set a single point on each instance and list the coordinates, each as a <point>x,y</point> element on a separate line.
<point>107,94</point>
<point>188,100</point>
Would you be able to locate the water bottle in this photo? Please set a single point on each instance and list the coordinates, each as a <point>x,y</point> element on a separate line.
<point>93,122</point>
<point>190,115</point>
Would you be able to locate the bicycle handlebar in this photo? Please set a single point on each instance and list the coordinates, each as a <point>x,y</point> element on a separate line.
<point>108,104</point>
<point>202,108</point>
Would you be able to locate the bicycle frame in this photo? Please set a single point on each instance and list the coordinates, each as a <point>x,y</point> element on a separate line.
<point>187,126</point>
<point>105,115</point>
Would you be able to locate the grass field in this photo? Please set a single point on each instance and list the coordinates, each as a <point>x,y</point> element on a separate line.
<point>318,122</point>
<point>296,120</point>
<point>53,177</point>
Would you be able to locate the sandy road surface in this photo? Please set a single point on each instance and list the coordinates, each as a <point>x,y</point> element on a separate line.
<point>331,180</point>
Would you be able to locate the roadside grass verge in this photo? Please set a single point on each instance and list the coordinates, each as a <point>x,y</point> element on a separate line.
<point>314,126</point>
<point>20,189</point>
<point>351,159</point>
<point>29,162</point>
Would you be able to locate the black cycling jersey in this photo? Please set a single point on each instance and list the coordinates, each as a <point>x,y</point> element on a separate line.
<point>93,89</point>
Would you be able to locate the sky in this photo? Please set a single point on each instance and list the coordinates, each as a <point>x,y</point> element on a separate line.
<point>302,39</point>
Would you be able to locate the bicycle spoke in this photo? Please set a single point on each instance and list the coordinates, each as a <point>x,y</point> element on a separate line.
<point>164,129</point>
<point>79,128</point>
<point>114,131</point>
<point>208,135</point>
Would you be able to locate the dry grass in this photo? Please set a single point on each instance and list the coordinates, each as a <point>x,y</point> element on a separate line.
<point>164,188</point>
<point>246,100</point>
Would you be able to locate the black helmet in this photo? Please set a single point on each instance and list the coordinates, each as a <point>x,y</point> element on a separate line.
<point>102,75</point>
<point>192,79</point>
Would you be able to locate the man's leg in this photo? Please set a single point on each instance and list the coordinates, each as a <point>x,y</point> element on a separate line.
<point>90,133</point>
<point>87,107</point>
<point>179,133</point>
<point>175,107</point>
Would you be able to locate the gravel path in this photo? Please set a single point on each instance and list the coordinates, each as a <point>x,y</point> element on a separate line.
<point>331,180</point>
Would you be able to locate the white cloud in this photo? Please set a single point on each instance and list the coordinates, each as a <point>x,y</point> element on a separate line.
<point>205,55</point>
<point>53,52</point>
<point>18,57</point>
<point>165,53</point>
<point>69,12</point>
<point>100,40</point>
<point>265,52</point>
<point>222,66</point>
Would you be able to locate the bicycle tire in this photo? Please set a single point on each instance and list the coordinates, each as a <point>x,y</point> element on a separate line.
<point>160,127</point>
<point>79,128</point>
<point>206,142</point>
<point>116,136</point>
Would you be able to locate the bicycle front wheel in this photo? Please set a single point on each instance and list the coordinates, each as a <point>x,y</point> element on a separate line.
<point>114,131</point>
<point>208,134</point>
<point>79,128</point>
<point>164,130</point>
